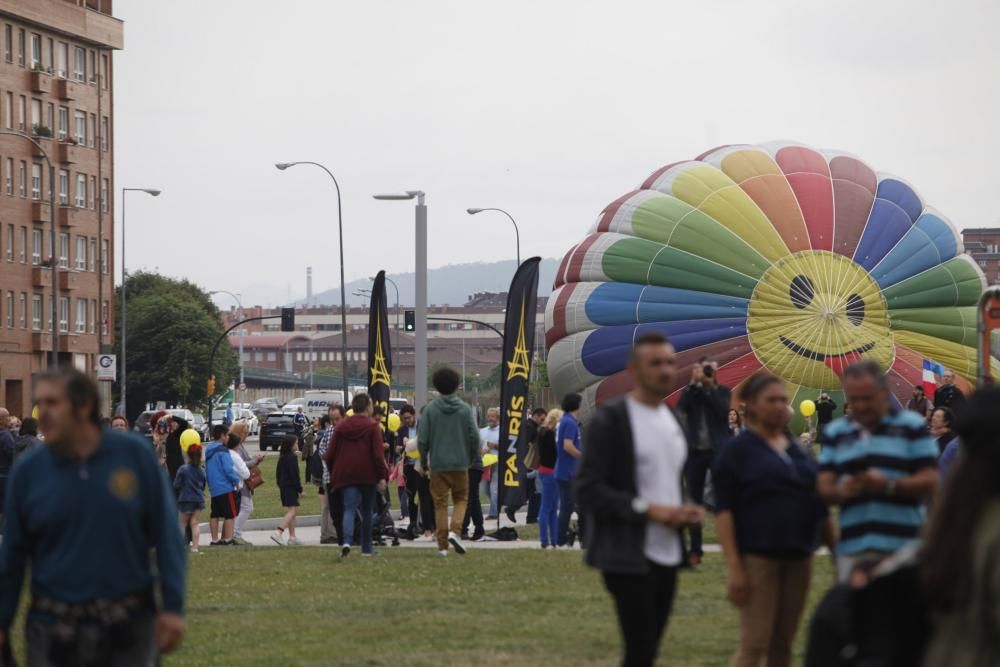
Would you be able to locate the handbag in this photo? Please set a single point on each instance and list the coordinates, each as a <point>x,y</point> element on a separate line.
<point>532,459</point>
<point>255,479</point>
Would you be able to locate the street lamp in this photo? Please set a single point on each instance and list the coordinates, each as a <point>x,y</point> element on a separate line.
<point>420,305</point>
<point>281,166</point>
<point>396,287</point>
<point>153,193</point>
<point>242,329</point>
<point>517,232</point>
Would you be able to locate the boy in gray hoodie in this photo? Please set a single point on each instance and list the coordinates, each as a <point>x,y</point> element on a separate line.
<point>448,441</point>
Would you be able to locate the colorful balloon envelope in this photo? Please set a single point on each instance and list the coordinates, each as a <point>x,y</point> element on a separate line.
<point>775,256</point>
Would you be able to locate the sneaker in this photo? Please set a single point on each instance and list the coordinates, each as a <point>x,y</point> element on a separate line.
<point>345,551</point>
<point>457,543</point>
<point>424,538</point>
<point>214,543</point>
<point>293,542</point>
<point>278,537</point>
<point>194,550</point>
<point>443,553</point>
<point>227,543</point>
<point>239,541</point>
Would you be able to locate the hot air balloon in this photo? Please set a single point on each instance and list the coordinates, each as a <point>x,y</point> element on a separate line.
<point>773,256</point>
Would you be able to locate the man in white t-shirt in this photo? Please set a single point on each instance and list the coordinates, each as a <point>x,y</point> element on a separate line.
<point>489,438</point>
<point>628,485</point>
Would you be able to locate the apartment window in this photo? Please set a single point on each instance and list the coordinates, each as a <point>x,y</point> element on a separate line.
<point>81,253</point>
<point>81,316</point>
<point>104,195</point>
<point>104,133</point>
<point>64,187</point>
<point>10,310</point>
<point>104,255</point>
<point>93,66</point>
<point>982,263</point>
<point>93,128</point>
<point>81,191</point>
<point>79,63</point>
<point>63,250</point>
<point>104,318</point>
<point>23,310</point>
<point>10,243</point>
<point>50,117</point>
<point>24,244</point>
<point>258,356</point>
<point>36,247</point>
<point>92,316</point>
<point>93,193</point>
<point>20,48</point>
<point>36,113</point>
<point>104,71</point>
<point>298,356</point>
<point>8,43</point>
<point>52,55</point>
<point>272,356</point>
<point>22,179</point>
<point>64,313</point>
<point>9,176</point>
<point>63,123</point>
<point>22,111</point>
<point>8,111</point>
<point>81,127</point>
<point>92,256</point>
<point>62,59</point>
<point>36,312</point>
<point>36,51</point>
<point>36,181</point>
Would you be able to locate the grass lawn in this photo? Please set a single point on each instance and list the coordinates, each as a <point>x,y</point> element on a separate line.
<point>302,606</point>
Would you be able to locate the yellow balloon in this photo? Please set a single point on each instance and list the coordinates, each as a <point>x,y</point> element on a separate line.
<point>489,460</point>
<point>188,438</point>
<point>807,408</point>
<point>34,412</point>
<point>349,413</point>
<point>415,454</point>
<point>393,422</point>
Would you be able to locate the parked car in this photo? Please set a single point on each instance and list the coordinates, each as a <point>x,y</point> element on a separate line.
<point>199,424</point>
<point>276,427</point>
<point>397,404</point>
<point>141,425</point>
<point>253,424</point>
<point>262,407</point>
<point>316,402</point>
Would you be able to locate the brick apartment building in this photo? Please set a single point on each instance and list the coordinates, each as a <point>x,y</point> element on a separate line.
<point>983,244</point>
<point>56,86</point>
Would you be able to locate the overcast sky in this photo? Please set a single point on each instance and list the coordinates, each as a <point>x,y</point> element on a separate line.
<point>548,109</point>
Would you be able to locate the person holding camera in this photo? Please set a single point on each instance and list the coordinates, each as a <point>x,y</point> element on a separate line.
<point>704,405</point>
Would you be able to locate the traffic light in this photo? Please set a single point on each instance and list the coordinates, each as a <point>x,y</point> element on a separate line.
<point>288,319</point>
<point>410,320</point>
<point>211,386</point>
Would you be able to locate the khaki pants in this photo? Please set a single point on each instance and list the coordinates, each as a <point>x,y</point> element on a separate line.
<point>770,617</point>
<point>457,483</point>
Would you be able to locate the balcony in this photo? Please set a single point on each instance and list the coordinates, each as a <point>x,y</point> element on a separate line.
<point>69,152</point>
<point>67,89</point>
<point>69,216</point>
<point>43,136</point>
<point>41,276</point>
<point>70,342</point>
<point>68,280</point>
<point>40,213</point>
<point>41,340</point>
<point>41,82</point>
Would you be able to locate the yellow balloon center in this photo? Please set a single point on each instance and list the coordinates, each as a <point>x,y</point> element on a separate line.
<point>814,312</point>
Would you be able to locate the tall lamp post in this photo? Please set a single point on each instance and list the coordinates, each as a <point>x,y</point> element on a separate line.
<point>153,193</point>
<point>420,305</point>
<point>239,302</point>
<point>343,297</point>
<point>517,232</point>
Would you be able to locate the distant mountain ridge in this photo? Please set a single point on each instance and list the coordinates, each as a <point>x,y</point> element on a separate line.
<point>447,285</point>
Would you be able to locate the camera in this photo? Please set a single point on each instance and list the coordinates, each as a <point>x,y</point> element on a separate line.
<point>708,370</point>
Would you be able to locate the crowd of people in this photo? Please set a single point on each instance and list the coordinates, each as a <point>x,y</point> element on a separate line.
<point>906,498</point>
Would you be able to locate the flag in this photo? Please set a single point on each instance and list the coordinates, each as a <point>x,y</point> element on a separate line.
<point>515,373</point>
<point>932,370</point>
<point>379,351</point>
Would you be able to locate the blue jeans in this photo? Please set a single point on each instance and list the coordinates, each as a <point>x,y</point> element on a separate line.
<point>547,516</point>
<point>489,489</point>
<point>567,504</point>
<point>363,498</point>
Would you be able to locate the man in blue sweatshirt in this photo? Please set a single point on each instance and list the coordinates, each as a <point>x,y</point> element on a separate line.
<point>222,483</point>
<point>85,512</point>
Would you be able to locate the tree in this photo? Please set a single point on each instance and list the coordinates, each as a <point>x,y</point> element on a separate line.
<point>172,327</point>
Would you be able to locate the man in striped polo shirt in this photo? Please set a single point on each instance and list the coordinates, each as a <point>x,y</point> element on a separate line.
<point>880,466</point>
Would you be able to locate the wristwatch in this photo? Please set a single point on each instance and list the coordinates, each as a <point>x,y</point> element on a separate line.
<point>640,505</point>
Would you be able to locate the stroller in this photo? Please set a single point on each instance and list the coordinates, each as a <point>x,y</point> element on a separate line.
<point>383,527</point>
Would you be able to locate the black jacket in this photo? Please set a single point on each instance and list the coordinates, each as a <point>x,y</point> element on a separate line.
<point>714,404</point>
<point>605,487</point>
<point>172,448</point>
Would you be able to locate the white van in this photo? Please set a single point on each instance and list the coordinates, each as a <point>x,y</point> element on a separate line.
<point>316,402</point>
